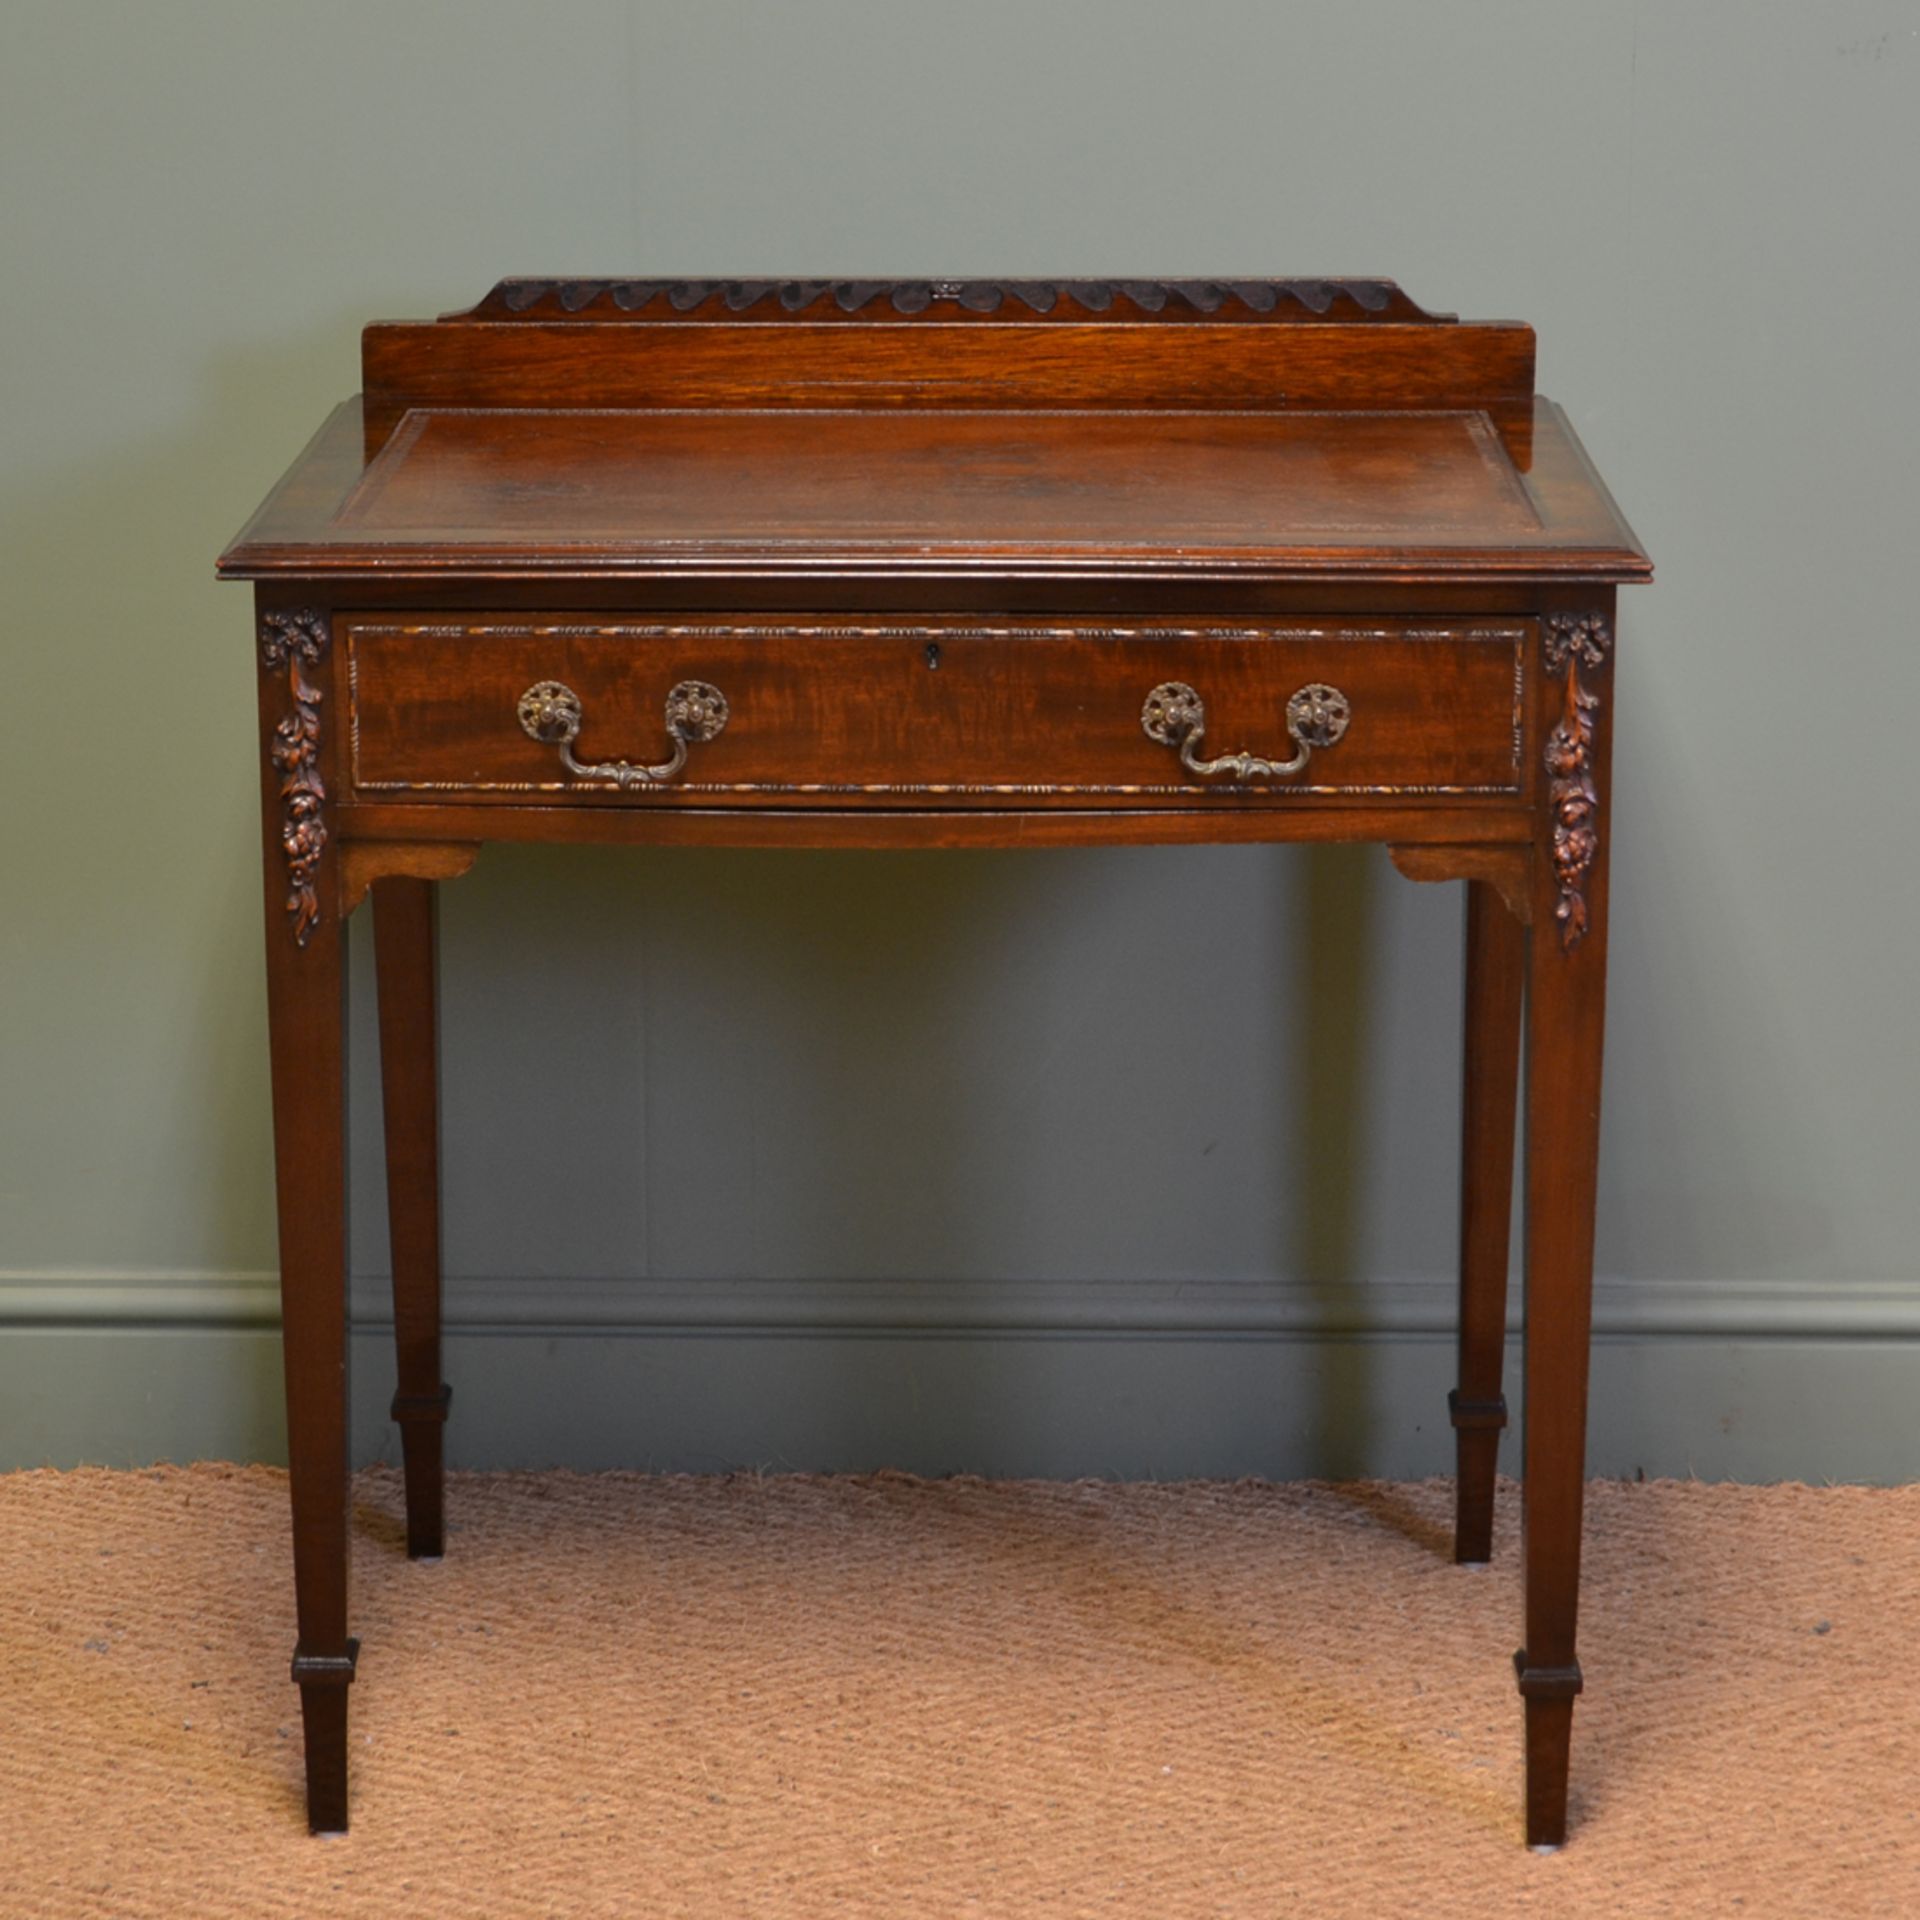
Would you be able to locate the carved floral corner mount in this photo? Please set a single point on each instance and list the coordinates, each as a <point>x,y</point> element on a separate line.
<point>1584,638</point>
<point>1574,640</point>
<point>292,642</point>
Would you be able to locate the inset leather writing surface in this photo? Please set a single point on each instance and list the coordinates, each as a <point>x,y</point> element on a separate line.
<point>954,480</point>
<point>997,496</point>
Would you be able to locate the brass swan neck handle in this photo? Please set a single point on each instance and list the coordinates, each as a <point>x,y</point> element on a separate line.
<point>550,712</point>
<point>1175,716</point>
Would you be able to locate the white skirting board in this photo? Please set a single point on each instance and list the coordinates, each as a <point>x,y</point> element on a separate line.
<point>1725,1381</point>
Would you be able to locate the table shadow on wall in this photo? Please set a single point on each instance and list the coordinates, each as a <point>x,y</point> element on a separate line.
<point>849,1079</point>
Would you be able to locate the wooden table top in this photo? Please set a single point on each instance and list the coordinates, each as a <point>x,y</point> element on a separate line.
<point>647,490</point>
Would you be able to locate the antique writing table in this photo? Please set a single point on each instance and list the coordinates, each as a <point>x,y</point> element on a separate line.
<point>940,564</point>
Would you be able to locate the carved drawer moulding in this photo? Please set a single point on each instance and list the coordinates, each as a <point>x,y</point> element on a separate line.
<point>1506,642</point>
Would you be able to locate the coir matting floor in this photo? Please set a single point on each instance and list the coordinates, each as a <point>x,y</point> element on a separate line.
<point>667,1696</point>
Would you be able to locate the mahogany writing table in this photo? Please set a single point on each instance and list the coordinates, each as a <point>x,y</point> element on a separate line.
<point>941,564</point>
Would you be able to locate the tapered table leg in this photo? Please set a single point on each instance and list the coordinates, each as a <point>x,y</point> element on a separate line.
<point>404,960</point>
<point>1565,1018</point>
<point>306,1013</point>
<point>1496,976</point>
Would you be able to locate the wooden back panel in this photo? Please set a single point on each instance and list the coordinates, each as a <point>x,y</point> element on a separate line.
<point>1205,344</point>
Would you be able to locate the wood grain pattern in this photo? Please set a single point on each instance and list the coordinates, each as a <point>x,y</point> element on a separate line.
<point>997,498</point>
<point>1565,1028</point>
<point>1013,822</point>
<point>404,942</point>
<point>905,711</point>
<point>362,862</point>
<point>1041,344</point>
<point>752,479</point>
<point>1044,366</point>
<point>1489,1104</point>
<point>1507,870</point>
<point>306,1009</point>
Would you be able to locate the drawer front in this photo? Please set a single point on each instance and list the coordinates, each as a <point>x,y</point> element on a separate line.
<point>930,712</point>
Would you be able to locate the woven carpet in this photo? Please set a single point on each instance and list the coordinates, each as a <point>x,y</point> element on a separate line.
<point>673,1696</point>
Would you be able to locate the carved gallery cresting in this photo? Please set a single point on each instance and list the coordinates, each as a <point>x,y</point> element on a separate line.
<point>1074,298</point>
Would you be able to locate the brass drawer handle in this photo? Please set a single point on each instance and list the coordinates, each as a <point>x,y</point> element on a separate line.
<point>551,713</point>
<point>1176,716</point>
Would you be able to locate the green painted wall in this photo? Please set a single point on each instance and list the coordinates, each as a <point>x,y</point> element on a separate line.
<point>843,1159</point>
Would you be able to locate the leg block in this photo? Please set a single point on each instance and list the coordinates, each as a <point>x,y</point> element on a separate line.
<point>1549,1693</point>
<point>422,1420</point>
<point>323,1679</point>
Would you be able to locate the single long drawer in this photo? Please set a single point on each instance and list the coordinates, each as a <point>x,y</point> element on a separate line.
<point>929,712</point>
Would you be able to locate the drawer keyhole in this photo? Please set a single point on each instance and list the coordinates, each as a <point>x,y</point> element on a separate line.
<point>933,653</point>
